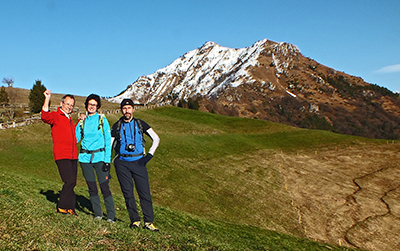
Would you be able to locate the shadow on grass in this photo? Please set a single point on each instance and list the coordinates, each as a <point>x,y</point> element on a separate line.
<point>82,202</point>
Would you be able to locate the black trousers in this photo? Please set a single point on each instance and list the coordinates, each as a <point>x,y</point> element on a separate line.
<point>126,171</point>
<point>68,169</point>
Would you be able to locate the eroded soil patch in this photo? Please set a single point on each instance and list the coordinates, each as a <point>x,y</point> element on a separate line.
<point>347,196</point>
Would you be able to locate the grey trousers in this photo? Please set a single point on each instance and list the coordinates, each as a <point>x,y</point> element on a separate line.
<point>90,170</point>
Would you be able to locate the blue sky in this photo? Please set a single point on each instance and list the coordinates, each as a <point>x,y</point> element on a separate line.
<point>98,46</point>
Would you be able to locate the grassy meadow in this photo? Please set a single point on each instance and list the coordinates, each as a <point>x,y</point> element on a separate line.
<point>211,188</point>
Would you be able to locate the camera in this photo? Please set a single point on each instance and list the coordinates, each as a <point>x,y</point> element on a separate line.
<point>106,167</point>
<point>130,148</point>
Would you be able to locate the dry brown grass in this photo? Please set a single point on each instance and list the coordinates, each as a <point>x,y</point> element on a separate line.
<point>348,196</point>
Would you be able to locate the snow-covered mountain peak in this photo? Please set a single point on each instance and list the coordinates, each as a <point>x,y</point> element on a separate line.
<point>210,44</point>
<point>206,71</point>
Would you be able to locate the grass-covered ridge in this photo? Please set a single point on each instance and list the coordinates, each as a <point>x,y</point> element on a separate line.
<point>212,187</point>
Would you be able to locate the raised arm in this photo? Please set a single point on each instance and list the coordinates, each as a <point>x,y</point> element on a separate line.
<point>47,95</point>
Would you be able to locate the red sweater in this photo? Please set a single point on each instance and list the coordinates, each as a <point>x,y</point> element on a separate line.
<point>63,133</point>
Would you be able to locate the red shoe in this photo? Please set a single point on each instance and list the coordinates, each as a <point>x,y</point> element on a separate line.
<point>72,212</point>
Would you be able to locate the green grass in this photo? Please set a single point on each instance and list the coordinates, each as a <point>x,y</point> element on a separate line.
<point>212,187</point>
<point>28,221</point>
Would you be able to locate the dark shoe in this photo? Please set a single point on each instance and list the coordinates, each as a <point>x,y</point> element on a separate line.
<point>150,226</point>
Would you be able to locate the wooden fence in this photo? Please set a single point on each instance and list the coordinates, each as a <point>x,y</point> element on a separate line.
<point>21,122</point>
<point>36,118</point>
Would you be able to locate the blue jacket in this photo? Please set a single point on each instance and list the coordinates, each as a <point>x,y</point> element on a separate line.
<point>93,139</point>
<point>126,133</point>
<point>131,135</point>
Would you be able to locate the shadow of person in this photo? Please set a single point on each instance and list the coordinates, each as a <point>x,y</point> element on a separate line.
<point>51,196</point>
<point>82,203</point>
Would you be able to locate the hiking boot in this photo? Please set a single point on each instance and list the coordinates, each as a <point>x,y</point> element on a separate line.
<point>62,211</point>
<point>135,224</point>
<point>150,226</point>
<point>72,212</point>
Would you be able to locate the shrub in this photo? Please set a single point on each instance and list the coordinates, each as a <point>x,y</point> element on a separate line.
<point>315,122</point>
<point>3,96</point>
<point>193,104</point>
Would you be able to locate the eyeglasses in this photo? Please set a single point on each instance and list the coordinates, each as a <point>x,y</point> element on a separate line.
<point>67,104</point>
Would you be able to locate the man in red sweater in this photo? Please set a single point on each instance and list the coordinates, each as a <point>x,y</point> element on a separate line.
<point>65,151</point>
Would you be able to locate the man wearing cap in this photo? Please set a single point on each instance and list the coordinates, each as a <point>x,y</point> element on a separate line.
<point>130,162</point>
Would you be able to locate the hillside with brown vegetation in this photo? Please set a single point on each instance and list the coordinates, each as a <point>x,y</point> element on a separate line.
<point>310,95</point>
<point>275,82</point>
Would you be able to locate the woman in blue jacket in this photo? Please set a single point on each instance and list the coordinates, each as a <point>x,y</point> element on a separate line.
<point>95,156</point>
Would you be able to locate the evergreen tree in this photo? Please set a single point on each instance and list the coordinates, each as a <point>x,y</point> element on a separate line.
<point>36,97</point>
<point>3,96</point>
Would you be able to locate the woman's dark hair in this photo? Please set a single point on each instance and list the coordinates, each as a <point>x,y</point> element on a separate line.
<point>95,97</point>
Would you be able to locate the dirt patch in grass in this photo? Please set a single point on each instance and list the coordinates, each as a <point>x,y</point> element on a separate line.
<point>347,196</point>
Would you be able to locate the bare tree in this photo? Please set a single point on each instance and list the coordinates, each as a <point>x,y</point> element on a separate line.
<point>10,111</point>
<point>8,81</point>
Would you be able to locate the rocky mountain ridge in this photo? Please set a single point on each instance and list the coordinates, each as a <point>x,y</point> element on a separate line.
<point>271,81</point>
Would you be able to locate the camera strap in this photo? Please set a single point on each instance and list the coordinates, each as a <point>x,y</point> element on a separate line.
<point>134,132</point>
